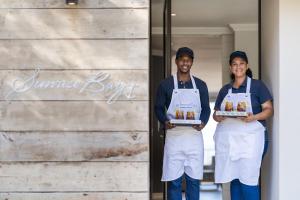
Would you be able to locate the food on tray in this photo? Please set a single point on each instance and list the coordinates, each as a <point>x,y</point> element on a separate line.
<point>179,114</point>
<point>228,106</point>
<point>241,107</point>
<point>190,115</point>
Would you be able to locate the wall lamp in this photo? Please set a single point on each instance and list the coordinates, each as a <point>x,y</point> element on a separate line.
<point>71,2</point>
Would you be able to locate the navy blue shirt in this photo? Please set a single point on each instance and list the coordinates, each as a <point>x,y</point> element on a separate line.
<point>164,96</point>
<point>259,95</point>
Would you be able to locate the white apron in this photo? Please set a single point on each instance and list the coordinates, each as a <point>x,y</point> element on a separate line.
<point>239,145</point>
<point>183,151</point>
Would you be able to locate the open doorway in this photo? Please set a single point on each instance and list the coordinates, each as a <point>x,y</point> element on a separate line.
<point>213,29</point>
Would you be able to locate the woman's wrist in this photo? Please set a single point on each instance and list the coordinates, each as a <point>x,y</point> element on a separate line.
<point>255,117</point>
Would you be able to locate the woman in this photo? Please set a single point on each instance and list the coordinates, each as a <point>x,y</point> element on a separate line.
<point>241,141</point>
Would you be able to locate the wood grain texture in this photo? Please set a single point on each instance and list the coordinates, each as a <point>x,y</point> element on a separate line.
<point>74,116</point>
<point>74,146</point>
<point>73,23</point>
<point>76,196</point>
<point>78,176</point>
<point>82,4</point>
<point>74,54</point>
<point>60,145</point>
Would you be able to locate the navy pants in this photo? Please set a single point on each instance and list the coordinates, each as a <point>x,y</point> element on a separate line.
<point>240,191</point>
<point>192,189</point>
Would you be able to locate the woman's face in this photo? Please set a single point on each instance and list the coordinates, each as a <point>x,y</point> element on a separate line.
<point>238,67</point>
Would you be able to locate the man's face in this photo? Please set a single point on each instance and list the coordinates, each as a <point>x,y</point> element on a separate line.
<point>184,64</point>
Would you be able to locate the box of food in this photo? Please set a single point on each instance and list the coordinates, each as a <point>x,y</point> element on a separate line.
<point>185,122</point>
<point>232,113</point>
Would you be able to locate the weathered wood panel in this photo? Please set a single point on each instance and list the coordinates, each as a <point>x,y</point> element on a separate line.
<point>74,54</point>
<point>109,85</point>
<point>79,176</point>
<point>73,23</point>
<point>74,116</point>
<point>74,146</point>
<point>75,196</point>
<point>82,4</point>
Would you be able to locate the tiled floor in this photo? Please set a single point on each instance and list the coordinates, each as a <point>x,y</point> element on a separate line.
<point>209,192</point>
<point>209,195</point>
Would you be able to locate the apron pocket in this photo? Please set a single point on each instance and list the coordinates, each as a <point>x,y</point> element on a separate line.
<point>242,146</point>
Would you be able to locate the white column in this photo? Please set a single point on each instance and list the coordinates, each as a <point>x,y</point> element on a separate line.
<point>270,75</point>
<point>280,53</point>
<point>289,70</point>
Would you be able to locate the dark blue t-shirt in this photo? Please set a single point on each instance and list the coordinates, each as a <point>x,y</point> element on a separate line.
<point>259,95</point>
<point>164,95</point>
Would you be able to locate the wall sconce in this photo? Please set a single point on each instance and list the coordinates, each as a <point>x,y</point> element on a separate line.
<point>71,2</point>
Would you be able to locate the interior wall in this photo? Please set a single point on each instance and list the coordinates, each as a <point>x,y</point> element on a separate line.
<point>208,58</point>
<point>227,49</point>
<point>247,40</point>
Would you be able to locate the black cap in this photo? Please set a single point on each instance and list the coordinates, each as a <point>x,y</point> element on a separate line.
<point>184,51</point>
<point>238,54</point>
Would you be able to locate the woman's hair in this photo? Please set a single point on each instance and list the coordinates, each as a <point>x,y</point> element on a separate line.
<point>242,55</point>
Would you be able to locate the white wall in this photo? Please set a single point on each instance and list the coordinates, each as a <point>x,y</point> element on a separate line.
<point>270,75</point>
<point>280,47</point>
<point>289,137</point>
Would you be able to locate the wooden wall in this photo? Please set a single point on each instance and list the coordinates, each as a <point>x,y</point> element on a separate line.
<point>57,144</point>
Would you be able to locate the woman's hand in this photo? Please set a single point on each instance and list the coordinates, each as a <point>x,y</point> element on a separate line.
<point>168,125</point>
<point>218,118</point>
<point>267,111</point>
<point>199,127</point>
<point>249,118</point>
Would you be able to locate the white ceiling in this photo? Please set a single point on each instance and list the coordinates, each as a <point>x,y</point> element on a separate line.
<point>207,13</point>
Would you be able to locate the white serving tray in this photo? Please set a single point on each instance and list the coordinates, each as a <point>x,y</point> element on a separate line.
<point>232,113</point>
<point>185,122</point>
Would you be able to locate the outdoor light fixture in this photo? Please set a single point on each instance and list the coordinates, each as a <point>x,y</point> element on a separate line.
<point>71,2</point>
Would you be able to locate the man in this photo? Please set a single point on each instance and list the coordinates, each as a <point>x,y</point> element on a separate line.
<point>183,97</point>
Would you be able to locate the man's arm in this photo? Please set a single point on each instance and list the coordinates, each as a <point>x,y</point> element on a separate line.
<point>160,104</point>
<point>204,97</point>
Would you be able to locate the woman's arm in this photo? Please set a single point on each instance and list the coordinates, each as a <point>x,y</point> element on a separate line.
<point>218,118</point>
<point>267,111</point>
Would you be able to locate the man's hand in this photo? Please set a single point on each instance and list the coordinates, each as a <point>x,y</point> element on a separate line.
<point>168,125</point>
<point>199,127</point>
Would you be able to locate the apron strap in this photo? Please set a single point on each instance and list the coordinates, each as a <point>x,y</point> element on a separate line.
<point>248,84</point>
<point>193,82</point>
<point>175,81</point>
